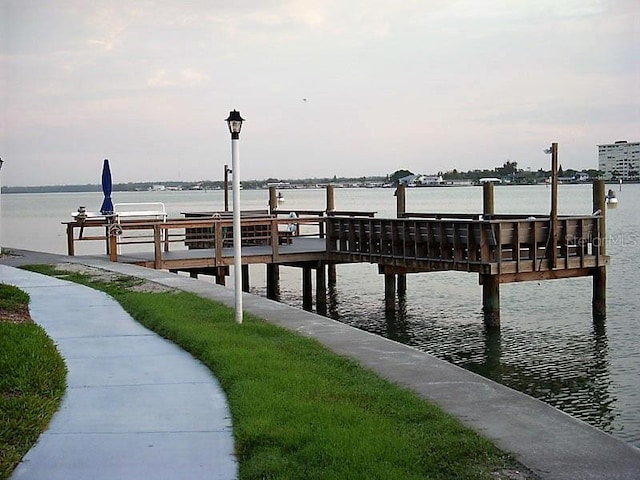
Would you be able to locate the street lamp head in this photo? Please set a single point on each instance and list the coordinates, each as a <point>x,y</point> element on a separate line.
<point>235,124</point>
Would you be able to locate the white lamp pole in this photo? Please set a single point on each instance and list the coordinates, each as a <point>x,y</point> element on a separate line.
<point>1,162</point>
<point>235,125</point>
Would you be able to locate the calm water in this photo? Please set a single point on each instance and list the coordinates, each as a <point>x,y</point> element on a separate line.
<point>548,347</point>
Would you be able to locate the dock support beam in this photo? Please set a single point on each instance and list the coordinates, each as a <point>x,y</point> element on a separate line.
<point>402,284</point>
<point>491,300</point>
<point>245,278</point>
<point>599,300</point>
<point>401,201</point>
<point>332,274</point>
<point>307,289</point>
<point>331,204</point>
<point>389,292</point>
<point>273,281</point>
<point>321,289</point>
<point>273,199</point>
<point>488,209</point>
<point>221,275</point>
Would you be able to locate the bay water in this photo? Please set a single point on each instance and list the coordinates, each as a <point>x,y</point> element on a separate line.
<point>549,346</point>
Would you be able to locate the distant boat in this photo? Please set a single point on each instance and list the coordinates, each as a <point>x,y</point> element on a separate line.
<point>611,198</point>
<point>280,197</point>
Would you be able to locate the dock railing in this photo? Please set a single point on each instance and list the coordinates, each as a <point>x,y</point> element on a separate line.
<point>214,233</point>
<point>502,245</point>
<point>507,245</point>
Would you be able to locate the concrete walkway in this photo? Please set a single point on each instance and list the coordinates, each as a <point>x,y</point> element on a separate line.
<point>136,406</point>
<point>553,445</point>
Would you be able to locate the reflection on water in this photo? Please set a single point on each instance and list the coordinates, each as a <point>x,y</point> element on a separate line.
<point>568,372</point>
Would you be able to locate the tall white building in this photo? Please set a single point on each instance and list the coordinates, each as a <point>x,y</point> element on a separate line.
<point>620,160</point>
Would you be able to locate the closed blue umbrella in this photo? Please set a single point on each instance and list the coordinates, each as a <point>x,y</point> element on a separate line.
<point>107,204</point>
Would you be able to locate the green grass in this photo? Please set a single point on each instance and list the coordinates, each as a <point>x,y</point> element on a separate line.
<point>300,411</point>
<point>12,298</point>
<point>32,381</point>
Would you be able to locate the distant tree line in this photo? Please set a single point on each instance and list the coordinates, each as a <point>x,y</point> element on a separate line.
<point>508,172</point>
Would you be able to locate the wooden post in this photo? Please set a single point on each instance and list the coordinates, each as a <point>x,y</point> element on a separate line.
<point>491,300</point>
<point>273,281</point>
<point>245,277</point>
<point>221,275</point>
<point>321,289</point>
<point>402,284</point>
<point>273,199</point>
<point>307,289</point>
<point>70,243</point>
<point>389,292</point>
<point>600,204</point>
<point>488,207</point>
<point>599,299</point>
<point>332,274</point>
<point>157,247</point>
<point>331,206</point>
<point>401,201</point>
<point>113,245</point>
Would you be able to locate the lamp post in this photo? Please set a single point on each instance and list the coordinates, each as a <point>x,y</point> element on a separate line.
<point>235,125</point>
<point>1,162</point>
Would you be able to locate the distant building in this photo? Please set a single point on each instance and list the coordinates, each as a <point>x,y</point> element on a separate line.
<point>620,160</point>
<point>421,181</point>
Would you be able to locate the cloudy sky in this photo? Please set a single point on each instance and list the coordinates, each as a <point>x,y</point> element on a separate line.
<point>355,88</point>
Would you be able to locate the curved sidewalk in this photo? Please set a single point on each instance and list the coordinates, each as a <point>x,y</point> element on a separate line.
<point>136,405</point>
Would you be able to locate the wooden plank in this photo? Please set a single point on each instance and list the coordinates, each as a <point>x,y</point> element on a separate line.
<point>157,247</point>
<point>545,275</point>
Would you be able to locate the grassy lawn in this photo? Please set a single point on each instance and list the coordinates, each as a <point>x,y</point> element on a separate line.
<point>300,411</point>
<point>32,378</point>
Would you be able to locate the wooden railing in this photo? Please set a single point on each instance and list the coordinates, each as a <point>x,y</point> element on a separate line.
<point>503,245</point>
<point>485,246</point>
<point>215,233</point>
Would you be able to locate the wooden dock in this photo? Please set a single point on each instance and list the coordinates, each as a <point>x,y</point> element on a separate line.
<point>499,248</point>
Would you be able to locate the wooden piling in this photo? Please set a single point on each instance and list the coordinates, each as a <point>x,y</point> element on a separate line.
<point>389,292</point>
<point>599,299</point>
<point>331,205</point>
<point>401,201</point>
<point>600,204</point>
<point>491,300</point>
<point>488,208</point>
<point>332,274</point>
<point>307,289</point>
<point>490,283</point>
<point>221,275</point>
<point>245,278</point>
<point>273,281</point>
<point>273,198</point>
<point>402,284</point>
<point>321,289</point>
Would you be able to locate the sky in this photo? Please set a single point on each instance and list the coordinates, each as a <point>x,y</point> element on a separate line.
<point>327,88</point>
